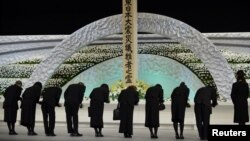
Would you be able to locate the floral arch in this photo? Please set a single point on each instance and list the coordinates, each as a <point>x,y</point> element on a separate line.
<point>152,23</point>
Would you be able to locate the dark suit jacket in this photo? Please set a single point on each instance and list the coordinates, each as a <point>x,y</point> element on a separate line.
<point>74,94</point>
<point>51,96</point>
<point>206,95</point>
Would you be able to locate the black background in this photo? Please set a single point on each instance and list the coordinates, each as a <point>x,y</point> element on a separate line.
<point>23,17</point>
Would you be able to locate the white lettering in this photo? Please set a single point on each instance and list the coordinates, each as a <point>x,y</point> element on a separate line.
<point>243,133</point>
<point>215,131</point>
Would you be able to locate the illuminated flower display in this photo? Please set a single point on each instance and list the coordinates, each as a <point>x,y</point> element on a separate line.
<point>94,54</point>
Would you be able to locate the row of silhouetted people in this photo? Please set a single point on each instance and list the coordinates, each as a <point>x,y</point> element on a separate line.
<point>205,99</point>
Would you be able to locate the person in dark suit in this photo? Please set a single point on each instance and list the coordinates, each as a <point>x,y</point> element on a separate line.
<point>98,96</point>
<point>73,98</point>
<point>153,97</point>
<point>179,98</point>
<point>127,99</point>
<point>30,98</point>
<point>51,97</point>
<point>203,108</point>
<point>239,96</point>
<point>10,105</point>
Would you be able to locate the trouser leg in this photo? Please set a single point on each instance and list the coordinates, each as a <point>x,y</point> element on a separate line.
<point>51,120</point>
<point>45,120</point>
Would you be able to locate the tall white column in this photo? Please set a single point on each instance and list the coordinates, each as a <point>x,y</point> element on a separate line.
<point>129,26</point>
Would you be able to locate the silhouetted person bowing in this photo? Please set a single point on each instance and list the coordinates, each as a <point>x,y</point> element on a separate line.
<point>127,99</point>
<point>51,97</point>
<point>153,97</point>
<point>30,98</point>
<point>73,98</point>
<point>10,105</point>
<point>179,98</point>
<point>239,95</point>
<point>98,96</point>
<point>204,99</point>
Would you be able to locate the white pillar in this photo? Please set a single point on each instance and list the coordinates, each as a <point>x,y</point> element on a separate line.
<point>129,26</point>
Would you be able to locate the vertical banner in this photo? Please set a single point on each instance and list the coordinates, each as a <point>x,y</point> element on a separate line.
<point>129,29</point>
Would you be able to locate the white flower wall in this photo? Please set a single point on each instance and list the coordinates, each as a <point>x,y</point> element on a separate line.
<point>95,54</point>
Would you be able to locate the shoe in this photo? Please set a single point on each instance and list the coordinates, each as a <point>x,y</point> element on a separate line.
<point>129,136</point>
<point>29,133</point>
<point>75,135</point>
<point>32,134</point>
<point>125,135</point>
<point>72,134</point>
<point>12,133</point>
<point>78,134</point>
<point>156,137</point>
<point>101,135</point>
<point>181,137</point>
<point>177,137</point>
<point>96,134</point>
<point>52,134</point>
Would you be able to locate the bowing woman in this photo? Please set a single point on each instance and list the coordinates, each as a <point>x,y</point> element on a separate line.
<point>11,96</point>
<point>28,114</point>
<point>98,96</point>
<point>179,101</point>
<point>127,99</point>
<point>154,96</point>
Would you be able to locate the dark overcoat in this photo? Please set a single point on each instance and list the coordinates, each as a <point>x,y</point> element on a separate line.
<point>98,96</point>
<point>179,98</point>
<point>30,98</point>
<point>127,99</point>
<point>153,97</point>
<point>10,104</point>
<point>239,95</point>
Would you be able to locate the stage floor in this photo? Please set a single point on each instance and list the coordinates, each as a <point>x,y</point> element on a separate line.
<point>222,114</point>
<point>110,134</point>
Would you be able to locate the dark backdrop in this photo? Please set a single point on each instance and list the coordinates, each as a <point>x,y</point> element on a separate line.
<point>23,17</point>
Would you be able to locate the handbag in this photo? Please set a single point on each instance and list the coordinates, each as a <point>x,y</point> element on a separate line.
<point>116,113</point>
<point>161,106</point>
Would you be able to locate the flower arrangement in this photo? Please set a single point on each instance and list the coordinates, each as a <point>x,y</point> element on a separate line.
<point>118,86</point>
<point>116,89</point>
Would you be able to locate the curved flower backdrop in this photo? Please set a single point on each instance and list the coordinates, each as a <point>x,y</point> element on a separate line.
<point>94,54</point>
